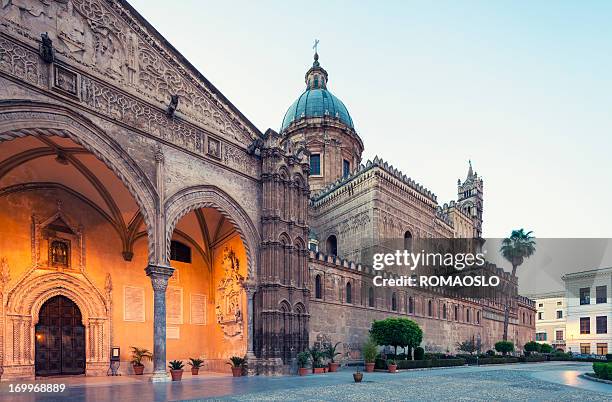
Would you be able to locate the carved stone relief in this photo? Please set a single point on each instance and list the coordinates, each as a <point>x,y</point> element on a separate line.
<point>229,309</point>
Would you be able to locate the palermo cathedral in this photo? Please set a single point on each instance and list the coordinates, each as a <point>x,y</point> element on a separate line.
<point>139,207</point>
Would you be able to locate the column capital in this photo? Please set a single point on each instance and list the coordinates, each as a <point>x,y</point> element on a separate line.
<point>159,275</point>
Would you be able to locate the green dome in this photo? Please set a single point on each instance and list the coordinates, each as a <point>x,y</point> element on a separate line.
<point>317,102</point>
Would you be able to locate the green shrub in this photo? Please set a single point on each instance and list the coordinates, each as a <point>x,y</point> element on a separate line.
<point>504,347</point>
<point>490,352</point>
<point>419,353</point>
<point>369,350</point>
<point>600,370</point>
<point>396,332</point>
<point>532,346</point>
<point>609,357</point>
<point>497,360</point>
<point>546,348</point>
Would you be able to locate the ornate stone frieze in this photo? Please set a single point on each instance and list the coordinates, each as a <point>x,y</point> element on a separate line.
<point>105,37</point>
<point>21,62</point>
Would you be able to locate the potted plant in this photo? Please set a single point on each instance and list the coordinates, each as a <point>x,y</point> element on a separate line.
<point>176,369</point>
<point>391,366</point>
<point>369,351</point>
<point>358,376</point>
<point>316,355</point>
<point>302,361</point>
<point>195,365</point>
<point>138,356</point>
<point>237,364</point>
<point>330,351</point>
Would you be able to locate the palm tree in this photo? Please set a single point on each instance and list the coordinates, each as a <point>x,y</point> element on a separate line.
<point>515,249</point>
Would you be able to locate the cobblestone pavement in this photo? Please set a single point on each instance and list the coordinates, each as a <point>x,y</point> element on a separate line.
<point>555,381</point>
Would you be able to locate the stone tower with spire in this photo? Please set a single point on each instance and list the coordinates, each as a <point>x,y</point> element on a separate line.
<point>470,198</point>
<point>320,121</point>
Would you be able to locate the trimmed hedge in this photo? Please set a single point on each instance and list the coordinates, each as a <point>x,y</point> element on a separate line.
<point>603,370</point>
<point>497,360</point>
<point>533,358</point>
<point>414,364</point>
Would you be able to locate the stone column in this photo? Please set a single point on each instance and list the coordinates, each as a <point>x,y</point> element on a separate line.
<point>250,292</point>
<point>159,275</point>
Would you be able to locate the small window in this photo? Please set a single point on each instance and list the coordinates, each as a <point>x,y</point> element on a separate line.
<point>349,293</point>
<point>601,324</point>
<point>559,314</point>
<point>318,287</point>
<point>393,302</point>
<point>456,313</point>
<point>541,305</point>
<point>559,303</point>
<point>540,336</point>
<point>444,311</point>
<point>315,164</point>
<point>585,296</point>
<point>585,325</point>
<point>468,315</point>
<point>410,305</point>
<point>429,308</point>
<point>601,294</point>
<point>371,297</point>
<point>60,253</point>
<point>346,168</point>
<point>559,335</point>
<point>540,315</point>
<point>585,348</point>
<point>602,349</point>
<point>408,240</point>
<point>332,245</point>
<point>478,317</point>
<point>180,252</point>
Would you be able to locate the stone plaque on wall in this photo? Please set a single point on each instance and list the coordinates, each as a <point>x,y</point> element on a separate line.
<point>174,305</point>
<point>173,333</point>
<point>133,304</point>
<point>198,309</point>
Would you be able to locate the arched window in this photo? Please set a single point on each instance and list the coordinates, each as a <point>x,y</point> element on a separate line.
<point>444,311</point>
<point>332,245</point>
<point>467,315</point>
<point>180,252</point>
<point>478,317</point>
<point>349,293</point>
<point>410,305</point>
<point>371,297</point>
<point>456,313</point>
<point>408,240</point>
<point>429,308</point>
<point>394,302</point>
<point>318,287</point>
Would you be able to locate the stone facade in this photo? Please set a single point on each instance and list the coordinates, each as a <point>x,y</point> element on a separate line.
<point>130,185</point>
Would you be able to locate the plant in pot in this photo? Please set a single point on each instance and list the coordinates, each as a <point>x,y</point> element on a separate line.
<point>369,351</point>
<point>358,375</point>
<point>237,364</point>
<point>316,356</point>
<point>195,365</point>
<point>176,369</point>
<point>330,352</point>
<point>391,366</point>
<point>302,360</point>
<point>138,356</point>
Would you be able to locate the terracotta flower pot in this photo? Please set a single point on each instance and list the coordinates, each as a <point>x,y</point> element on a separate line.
<point>358,376</point>
<point>319,370</point>
<point>177,375</point>
<point>237,371</point>
<point>392,368</point>
<point>303,371</point>
<point>195,371</point>
<point>138,370</point>
<point>333,367</point>
<point>369,367</point>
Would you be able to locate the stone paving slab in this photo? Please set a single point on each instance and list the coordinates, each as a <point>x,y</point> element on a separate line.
<point>533,382</point>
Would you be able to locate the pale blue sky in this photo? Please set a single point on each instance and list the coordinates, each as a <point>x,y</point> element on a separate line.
<point>524,89</point>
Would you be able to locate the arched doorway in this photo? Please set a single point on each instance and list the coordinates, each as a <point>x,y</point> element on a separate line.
<point>60,338</point>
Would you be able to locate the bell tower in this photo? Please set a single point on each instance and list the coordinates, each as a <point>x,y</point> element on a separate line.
<point>470,198</point>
